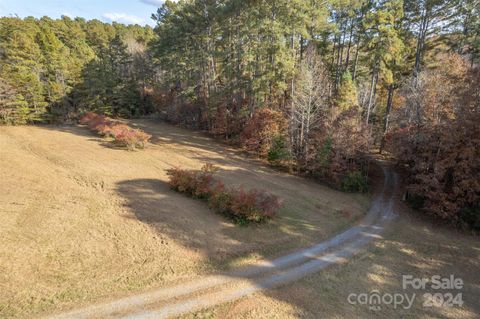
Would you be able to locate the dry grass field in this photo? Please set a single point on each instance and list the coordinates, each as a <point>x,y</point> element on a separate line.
<point>81,221</point>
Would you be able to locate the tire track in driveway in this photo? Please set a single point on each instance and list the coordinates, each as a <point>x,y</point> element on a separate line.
<point>216,289</point>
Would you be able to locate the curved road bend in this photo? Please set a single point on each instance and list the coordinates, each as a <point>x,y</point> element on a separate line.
<point>216,289</point>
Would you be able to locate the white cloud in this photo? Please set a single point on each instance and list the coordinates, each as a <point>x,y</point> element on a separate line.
<point>123,18</point>
<point>156,3</point>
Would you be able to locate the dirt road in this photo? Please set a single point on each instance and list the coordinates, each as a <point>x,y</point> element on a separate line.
<point>261,275</point>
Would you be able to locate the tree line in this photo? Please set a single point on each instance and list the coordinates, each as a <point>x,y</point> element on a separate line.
<point>51,69</point>
<point>311,85</point>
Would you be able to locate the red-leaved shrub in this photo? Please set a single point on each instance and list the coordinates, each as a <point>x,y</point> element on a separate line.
<point>132,139</point>
<point>128,137</point>
<point>198,184</point>
<point>95,122</point>
<point>87,118</point>
<point>254,205</point>
<point>122,134</point>
<point>100,124</point>
<point>243,206</point>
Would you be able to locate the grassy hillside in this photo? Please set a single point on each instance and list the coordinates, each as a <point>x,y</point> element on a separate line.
<point>81,221</point>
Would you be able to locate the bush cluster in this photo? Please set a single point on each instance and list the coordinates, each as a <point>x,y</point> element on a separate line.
<point>241,205</point>
<point>122,134</point>
<point>355,181</point>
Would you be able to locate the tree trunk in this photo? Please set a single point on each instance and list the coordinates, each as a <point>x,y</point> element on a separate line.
<point>354,75</point>
<point>391,90</point>
<point>422,35</point>
<point>371,97</point>
<point>349,47</point>
<point>334,49</point>
<point>339,59</point>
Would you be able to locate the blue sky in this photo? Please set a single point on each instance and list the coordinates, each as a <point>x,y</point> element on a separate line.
<point>124,11</point>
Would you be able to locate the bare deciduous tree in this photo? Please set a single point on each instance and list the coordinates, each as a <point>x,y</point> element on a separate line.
<point>310,101</point>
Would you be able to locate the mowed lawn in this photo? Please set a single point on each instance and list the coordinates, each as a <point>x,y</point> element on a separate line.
<point>81,221</point>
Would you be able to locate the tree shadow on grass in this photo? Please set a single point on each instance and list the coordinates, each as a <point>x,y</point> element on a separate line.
<point>167,134</point>
<point>196,227</point>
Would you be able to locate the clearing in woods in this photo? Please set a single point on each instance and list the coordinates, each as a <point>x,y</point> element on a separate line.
<point>82,222</point>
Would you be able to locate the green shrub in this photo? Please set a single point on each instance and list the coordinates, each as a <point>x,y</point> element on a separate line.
<point>278,151</point>
<point>323,156</point>
<point>471,216</point>
<point>221,202</point>
<point>355,182</point>
<point>416,201</point>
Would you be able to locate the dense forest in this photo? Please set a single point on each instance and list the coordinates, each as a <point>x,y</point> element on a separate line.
<point>52,69</point>
<point>310,85</point>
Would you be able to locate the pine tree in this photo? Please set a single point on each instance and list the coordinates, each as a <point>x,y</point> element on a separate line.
<point>424,19</point>
<point>347,93</point>
<point>13,109</point>
<point>21,63</point>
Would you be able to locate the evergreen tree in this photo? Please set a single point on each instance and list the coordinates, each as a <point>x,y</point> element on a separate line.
<point>347,93</point>
<point>58,67</point>
<point>13,108</point>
